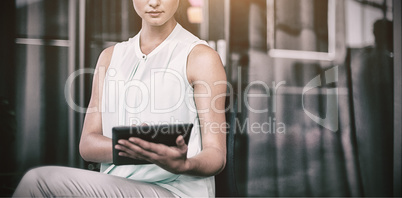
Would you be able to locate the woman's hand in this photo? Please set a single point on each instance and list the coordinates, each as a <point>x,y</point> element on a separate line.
<point>173,159</point>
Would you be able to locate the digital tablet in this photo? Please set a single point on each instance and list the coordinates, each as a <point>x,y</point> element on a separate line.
<point>161,134</point>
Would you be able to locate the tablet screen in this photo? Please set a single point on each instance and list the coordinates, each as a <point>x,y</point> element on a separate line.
<point>161,134</point>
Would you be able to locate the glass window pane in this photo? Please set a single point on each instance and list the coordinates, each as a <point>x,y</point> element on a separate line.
<point>297,23</point>
<point>42,19</point>
<point>42,110</point>
<point>112,20</point>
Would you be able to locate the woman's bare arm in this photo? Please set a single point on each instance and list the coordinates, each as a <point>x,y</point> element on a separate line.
<point>94,146</point>
<point>206,72</point>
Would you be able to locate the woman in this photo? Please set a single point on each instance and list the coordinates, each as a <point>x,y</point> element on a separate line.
<point>162,75</point>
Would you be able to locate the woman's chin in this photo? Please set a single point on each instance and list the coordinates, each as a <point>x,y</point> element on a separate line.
<point>156,22</point>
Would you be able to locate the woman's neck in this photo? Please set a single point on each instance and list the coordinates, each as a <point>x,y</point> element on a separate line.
<point>152,36</point>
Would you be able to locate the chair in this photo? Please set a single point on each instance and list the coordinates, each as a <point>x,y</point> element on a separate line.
<point>225,182</point>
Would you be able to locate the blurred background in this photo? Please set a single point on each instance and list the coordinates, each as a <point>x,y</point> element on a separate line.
<point>283,44</point>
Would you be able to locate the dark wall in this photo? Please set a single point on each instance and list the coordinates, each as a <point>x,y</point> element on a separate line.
<point>7,97</point>
<point>7,36</point>
<point>398,97</point>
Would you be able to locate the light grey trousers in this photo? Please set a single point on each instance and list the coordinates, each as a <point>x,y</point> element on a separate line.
<point>54,181</point>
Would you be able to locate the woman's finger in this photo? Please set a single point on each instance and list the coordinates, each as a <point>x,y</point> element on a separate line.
<point>132,150</point>
<point>148,146</point>
<point>181,144</point>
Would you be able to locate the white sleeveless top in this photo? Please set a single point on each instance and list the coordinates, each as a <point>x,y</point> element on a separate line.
<point>154,89</point>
